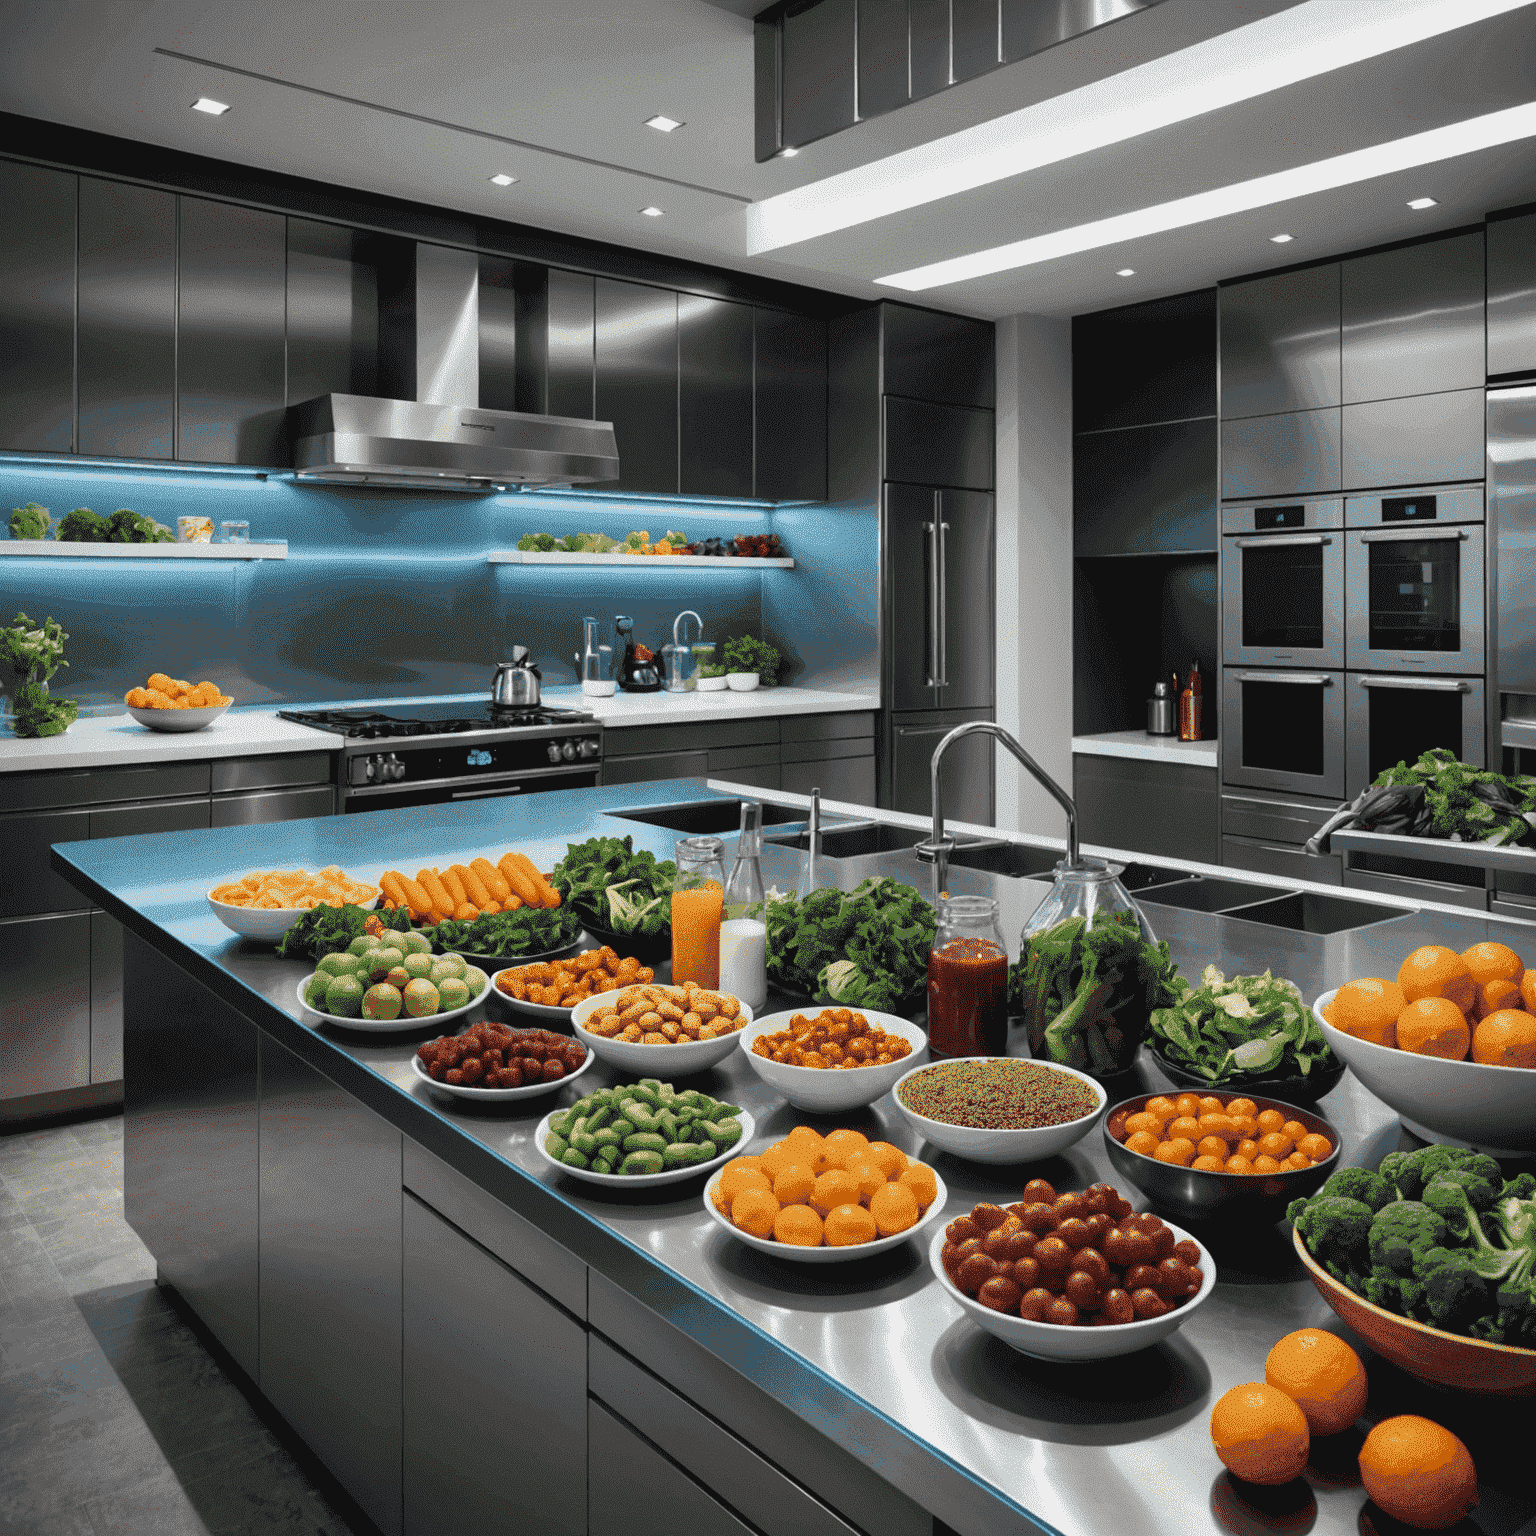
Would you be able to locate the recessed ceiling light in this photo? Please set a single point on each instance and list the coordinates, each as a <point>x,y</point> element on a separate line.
<point>210,106</point>
<point>662,123</point>
<point>1281,239</point>
<point>652,212</point>
<point>501,179</point>
<point>1126,272</point>
<point>1463,138</point>
<point>1423,202</point>
<point>1298,43</point>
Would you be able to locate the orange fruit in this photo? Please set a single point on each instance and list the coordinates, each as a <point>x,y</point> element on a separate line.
<point>1528,991</point>
<point>1276,1144</point>
<point>1268,1120</point>
<point>892,1159</point>
<point>735,1177</point>
<point>1213,1124</point>
<point>869,1173</point>
<point>1213,1146</point>
<point>1264,1163</point>
<point>1367,1009</point>
<point>1187,1104</point>
<point>799,1226</point>
<point>1494,995</point>
<point>833,1188</point>
<point>1142,1121</point>
<point>1314,1146</point>
<point>780,1156</point>
<point>847,1225</point>
<point>1260,1434</point>
<point>794,1185</point>
<point>1506,1039</point>
<point>1293,1129</point>
<point>853,1140</point>
<point>1237,1163</point>
<point>1297,1159</point>
<point>1493,962</point>
<point>1186,1126</point>
<point>894,1208</point>
<point>1180,1151</point>
<point>807,1134</point>
<point>1418,1472</point>
<point>1161,1106</point>
<point>1208,1164</point>
<point>1435,971</point>
<point>1242,1108</point>
<point>1434,1026</point>
<point>1143,1142</point>
<point>919,1178</point>
<point>1322,1375</point>
<point>754,1211</point>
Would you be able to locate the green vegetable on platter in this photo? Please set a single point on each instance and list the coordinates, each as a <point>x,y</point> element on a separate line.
<point>609,884</point>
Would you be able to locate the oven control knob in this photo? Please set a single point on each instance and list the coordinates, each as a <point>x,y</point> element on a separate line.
<point>588,746</point>
<point>554,751</point>
<point>568,751</point>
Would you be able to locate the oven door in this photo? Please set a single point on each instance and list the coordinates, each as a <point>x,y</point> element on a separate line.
<point>1393,718</point>
<point>1415,599</point>
<point>395,797</point>
<point>1282,599</point>
<point>1283,730</point>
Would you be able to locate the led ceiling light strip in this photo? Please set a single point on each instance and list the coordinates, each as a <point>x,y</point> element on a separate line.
<point>1305,41</point>
<point>1358,165</point>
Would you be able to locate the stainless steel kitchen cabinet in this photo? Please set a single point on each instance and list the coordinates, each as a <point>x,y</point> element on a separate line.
<point>332,298</point>
<point>832,753</point>
<point>948,445</point>
<point>946,359</point>
<point>1167,809</point>
<point>969,767</point>
<point>714,397</point>
<point>1417,440</point>
<point>790,406</point>
<point>635,363</point>
<point>268,805</point>
<point>1145,490</point>
<point>1280,343</point>
<point>1145,363</point>
<point>1299,453</point>
<point>570,322</point>
<point>45,1005</point>
<point>106,999</point>
<point>330,1292</point>
<point>494,1418</point>
<point>1413,320</point>
<point>37,308</point>
<point>1511,295</point>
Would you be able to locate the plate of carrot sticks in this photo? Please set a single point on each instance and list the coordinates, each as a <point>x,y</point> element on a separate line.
<point>467,891</point>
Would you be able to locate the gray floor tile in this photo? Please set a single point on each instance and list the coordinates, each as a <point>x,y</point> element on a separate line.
<point>31,1345</point>
<point>159,1505</point>
<point>262,1489</point>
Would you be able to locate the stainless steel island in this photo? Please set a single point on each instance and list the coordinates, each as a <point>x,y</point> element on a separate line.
<point>471,1340</point>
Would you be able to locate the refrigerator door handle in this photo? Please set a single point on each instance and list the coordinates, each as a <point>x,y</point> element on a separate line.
<point>943,589</point>
<point>935,601</point>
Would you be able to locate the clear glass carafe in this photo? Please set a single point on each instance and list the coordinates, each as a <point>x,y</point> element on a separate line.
<point>1098,1032</point>
<point>698,905</point>
<point>744,933</point>
<point>968,980</point>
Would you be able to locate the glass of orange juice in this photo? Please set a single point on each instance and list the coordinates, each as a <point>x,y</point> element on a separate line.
<point>698,904</point>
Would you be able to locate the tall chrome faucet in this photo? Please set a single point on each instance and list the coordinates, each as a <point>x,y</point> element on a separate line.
<point>677,653</point>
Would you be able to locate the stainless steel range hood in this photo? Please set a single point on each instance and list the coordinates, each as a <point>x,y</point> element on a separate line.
<point>441,440</point>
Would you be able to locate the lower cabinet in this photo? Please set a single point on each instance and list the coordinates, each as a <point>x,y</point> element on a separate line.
<point>106,998</point>
<point>495,1395</point>
<point>45,1004</point>
<point>1167,809</point>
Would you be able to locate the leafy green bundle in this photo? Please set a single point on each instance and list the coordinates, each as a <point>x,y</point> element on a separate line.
<point>1463,803</point>
<point>1249,1027</point>
<point>29,522</point>
<point>864,948</point>
<point>31,654</point>
<point>746,654</point>
<point>508,935</point>
<point>1085,991</point>
<point>1438,1235</point>
<point>326,930</point>
<point>607,883</point>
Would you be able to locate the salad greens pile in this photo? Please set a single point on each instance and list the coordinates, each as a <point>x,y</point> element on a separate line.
<point>507,935</point>
<point>326,930</point>
<point>607,883</point>
<point>1463,803</point>
<point>31,654</point>
<point>29,522</point>
<point>1085,987</point>
<point>1249,1027</point>
<point>864,948</point>
<point>746,654</point>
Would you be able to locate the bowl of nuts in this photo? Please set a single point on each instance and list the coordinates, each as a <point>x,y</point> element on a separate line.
<point>833,1058</point>
<point>647,1027</point>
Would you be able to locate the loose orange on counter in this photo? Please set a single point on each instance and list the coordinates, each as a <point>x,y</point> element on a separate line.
<point>1322,1375</point>
<point>1418,1472</point>
<point>1260,1434</point>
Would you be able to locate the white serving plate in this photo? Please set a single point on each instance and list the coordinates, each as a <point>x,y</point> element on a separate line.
<point>825,1255</point>
<point>829,1090</point>
<point>497,1095</point>
<point>177,719</point>
<point>405,1024</point>
<point>1017,1146</point>
<point>1050,1341</point>
<point>544,1011</point>
<point>664,1061</point>
<point>268,924</point>
<point>643,1180</point>
<point>1490,1108</point>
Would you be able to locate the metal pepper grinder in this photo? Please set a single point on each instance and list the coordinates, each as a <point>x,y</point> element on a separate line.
<point>1163,708</point>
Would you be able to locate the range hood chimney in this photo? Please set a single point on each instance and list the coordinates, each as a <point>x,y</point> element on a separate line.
<point>434,435</point>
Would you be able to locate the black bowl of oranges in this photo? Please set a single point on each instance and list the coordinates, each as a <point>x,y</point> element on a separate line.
<point>1234,1156</point>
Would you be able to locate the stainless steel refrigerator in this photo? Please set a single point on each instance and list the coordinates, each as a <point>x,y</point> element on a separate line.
<point>938,549</point>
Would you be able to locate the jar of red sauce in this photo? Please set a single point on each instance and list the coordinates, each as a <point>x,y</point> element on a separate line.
<point>968,980</point>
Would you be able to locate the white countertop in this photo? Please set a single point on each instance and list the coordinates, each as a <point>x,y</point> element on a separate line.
<point>621,709</point>
<point>1150,749</point>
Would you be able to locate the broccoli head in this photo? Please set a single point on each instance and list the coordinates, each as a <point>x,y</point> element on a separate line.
<point>82,526</point>
<point>29,522</point>
<point>1455,1295</point>
<point>1336,1230</point>
<point>1401,1233</point>
<point>1411,1171</point>
<point>1362,1185</point>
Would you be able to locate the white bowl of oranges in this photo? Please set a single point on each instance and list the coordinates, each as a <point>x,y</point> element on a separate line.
<point>1450,1044</point>
<point>818,1199</point>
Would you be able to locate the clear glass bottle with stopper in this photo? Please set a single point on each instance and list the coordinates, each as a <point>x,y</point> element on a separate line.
<point>744,933</point>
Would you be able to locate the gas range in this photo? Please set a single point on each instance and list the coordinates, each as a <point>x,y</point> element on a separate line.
<point>436,753</point>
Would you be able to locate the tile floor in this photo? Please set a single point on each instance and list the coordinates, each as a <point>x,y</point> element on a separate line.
<point>114,1415</point>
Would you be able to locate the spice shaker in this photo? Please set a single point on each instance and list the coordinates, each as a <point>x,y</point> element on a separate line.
<point>1163,709</point>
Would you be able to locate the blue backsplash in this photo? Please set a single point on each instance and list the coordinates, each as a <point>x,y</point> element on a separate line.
<point>388,593</point>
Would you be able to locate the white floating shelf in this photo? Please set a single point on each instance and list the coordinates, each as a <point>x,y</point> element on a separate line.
<point>68,550</point>
<point>666,562</point>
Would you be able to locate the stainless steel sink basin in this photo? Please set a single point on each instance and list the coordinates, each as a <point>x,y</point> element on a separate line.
<point>1309,912</point>
<point>853,842</point>
<point>1012,859</point>
<point>708,816</point>
<point>1201,893</point>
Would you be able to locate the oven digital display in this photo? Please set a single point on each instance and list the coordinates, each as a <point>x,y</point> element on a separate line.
<point>1407,509</point>
<point>479,758</point>
<point>1266,518</point>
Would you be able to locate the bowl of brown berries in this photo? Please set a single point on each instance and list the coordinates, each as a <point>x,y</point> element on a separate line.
<point>496,1064</point>
<point>1073,1276</point>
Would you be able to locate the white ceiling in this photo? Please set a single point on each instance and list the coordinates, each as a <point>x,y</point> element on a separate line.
<point>425,101</point>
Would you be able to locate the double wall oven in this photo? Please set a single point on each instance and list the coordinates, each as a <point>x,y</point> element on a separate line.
<point>1353,638</point>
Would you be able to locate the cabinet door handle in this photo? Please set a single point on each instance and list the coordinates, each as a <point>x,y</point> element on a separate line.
<point>1423,531</point>
<point>1283,541</point>
<point>934,600</point>
<point>1422,684</point>
<point>943,586</point>
<point>1304,679</point>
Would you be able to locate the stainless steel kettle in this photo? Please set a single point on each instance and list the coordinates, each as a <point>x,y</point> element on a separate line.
<point>516,683</point>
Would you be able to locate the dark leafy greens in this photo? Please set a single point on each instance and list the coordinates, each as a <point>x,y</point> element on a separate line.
<point>1086,991</point>
<point>607,883</point>
<point>29,522</point>
<point>506,935</point>
<point>1248,1027</point>
<point>31,653</point>
<point>864,948</point>
<point>324,930</point>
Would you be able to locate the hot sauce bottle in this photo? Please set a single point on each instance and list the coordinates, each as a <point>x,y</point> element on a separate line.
<point>1190,706</point>
<point>968,980</point>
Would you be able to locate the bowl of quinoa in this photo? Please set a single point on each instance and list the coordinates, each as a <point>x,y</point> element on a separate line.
<point>999,1109</point>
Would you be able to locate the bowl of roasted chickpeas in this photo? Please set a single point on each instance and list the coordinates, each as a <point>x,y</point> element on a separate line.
<point>1236,1156</point>
<point>828,1059</point>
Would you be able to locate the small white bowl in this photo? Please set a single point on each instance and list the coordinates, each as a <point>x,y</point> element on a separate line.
<point>993,1146</point>
<point>662,1061</point>
<point>177,719</point>
<point>1490,1108</point>
<point>710,684</point>
<point>1051,1341</point>
<point>828,1090</point>
<point>741,682</point>
<point>267,924</point>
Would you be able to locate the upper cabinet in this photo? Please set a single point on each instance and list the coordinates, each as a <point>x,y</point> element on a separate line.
<point>1280,343</point>
<point>1145,363</point>
<point>1413,319</point>
<point>1512,295</point>
<point>635,352</point>
<point>333,311</point>
<point>714,397</point>
<point>947,359</point>
<point>789,406</point>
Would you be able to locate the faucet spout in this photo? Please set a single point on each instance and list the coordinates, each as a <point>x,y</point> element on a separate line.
<point>687,613</point>
<point>939,847</point>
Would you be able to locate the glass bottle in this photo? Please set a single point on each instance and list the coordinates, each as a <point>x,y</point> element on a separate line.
<point>698,901</point>
<point>968,980</point>
<point>744,933</point>
<point>1191,706</point>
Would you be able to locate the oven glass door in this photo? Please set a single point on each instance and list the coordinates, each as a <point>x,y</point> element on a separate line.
<point>1415,599</point>
<point>1392,719</point>
<point>1283,599</point>
<point>1283,730</point>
